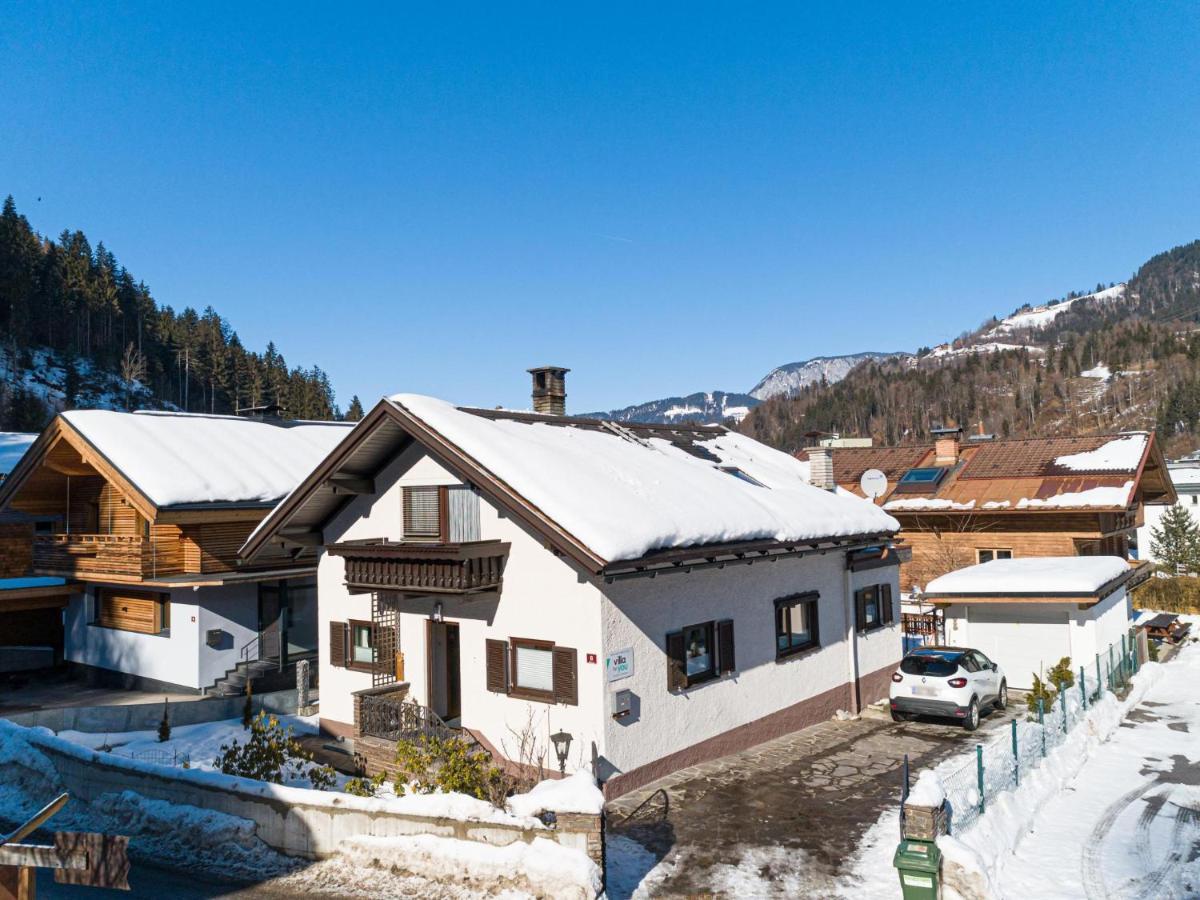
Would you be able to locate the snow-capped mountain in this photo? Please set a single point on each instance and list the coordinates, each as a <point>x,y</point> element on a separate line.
<point>789,379</point>
<point>714,407</point>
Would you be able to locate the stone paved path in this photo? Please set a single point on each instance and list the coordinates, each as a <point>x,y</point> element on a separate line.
<point>798,805</point>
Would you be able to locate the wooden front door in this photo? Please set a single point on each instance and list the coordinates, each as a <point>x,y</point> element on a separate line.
<point>444,674</point>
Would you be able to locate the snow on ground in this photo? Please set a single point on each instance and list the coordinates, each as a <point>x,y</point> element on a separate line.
<point>947,350</point>
<point>1050,574</point>
<point>178,458</point>
<point>1128,823</point>
<point>1101,371</point>
<point>625,497</point>
<point>1123,454</point>
<point>1041,316</point>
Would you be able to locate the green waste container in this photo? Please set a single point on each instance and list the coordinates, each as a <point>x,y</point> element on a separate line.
<point>920,866</point>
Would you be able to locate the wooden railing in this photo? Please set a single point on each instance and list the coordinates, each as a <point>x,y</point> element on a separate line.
<point>392,719</point>
<point>424,568</point>
<point>123,556</point>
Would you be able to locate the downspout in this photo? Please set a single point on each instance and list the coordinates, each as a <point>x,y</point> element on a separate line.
<point>851,635</point>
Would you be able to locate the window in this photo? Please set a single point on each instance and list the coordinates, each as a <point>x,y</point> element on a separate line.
<point>699,653</point>
<point>362,647</point>
<point>424,513</point>
<point>134,611</point>
<point>533,670</point>
<point>873,606</point>
<point>988,555</point>
<point>1195,499</point>
<point>796,623</point>
<point>921,480</point>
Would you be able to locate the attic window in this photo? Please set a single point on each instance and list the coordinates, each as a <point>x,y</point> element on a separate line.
<point>924,477</point>
<point>738,473</point>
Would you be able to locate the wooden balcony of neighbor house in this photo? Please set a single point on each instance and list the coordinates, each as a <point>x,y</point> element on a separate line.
<point>116,556</point>
<point>423,568</point>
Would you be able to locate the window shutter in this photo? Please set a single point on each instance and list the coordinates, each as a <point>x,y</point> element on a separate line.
<point>814,611</point>
<point>337,644</point>
<point>566,684</point>
<point>676,662</point>
<point>859,612</point>
<point>885,601</point>
<point>725,659</point>
<point>497,667</point>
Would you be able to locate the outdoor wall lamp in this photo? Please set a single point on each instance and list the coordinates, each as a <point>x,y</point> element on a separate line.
<point>562,746</point>
<point>437,611</point>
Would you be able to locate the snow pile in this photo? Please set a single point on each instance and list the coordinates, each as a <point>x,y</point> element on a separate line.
<point>176,458</point>
<point>624,497</point>
<point>575,794</point>
<point>1032,575</point>
<point>543,867</point>
<point>13,445</point>
<point>1123,454</point>
<point>1097,496</point>
<point>1101,372</point>
<point>928,791</point>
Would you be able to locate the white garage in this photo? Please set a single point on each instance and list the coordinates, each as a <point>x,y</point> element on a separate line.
<point>1027,614</point>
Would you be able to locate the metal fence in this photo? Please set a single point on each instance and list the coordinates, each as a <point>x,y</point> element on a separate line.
<point>1003,762</point>
<point>175,758</point>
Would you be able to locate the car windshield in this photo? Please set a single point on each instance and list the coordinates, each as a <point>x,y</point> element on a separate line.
<point>929,664</point>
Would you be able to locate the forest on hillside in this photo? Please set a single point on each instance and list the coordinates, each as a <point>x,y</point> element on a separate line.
<point>1149,341</point>
<point>69,307</point>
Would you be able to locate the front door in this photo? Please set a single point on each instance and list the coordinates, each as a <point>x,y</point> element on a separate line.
<point>445,683</point>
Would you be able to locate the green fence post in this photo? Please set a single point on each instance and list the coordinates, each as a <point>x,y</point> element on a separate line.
<point>1099,678</point>
<point>1111,683</point>
<point>1124,661</point>
<point>979,769</point>
<point>1042,723</point>
<point>1016,755</point>
<point>1083,687</point>
<point>1062,695</point>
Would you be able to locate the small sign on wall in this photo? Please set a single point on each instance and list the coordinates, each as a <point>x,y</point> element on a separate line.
<point>619,665</point>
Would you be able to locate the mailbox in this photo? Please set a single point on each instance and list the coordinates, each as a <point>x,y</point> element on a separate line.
<point>622,704</point>
<point>213,637</point>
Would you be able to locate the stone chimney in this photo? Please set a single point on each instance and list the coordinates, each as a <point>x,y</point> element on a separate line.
<point>550,390</point>
<point>820,468</point>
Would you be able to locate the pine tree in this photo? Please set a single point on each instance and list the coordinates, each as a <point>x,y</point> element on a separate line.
<point>355,411</point>
<point>1175,541</point>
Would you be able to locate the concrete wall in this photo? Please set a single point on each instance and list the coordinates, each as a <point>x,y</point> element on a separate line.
<point>639,613</point>
<point>146,716</point>
<point>297,823</point>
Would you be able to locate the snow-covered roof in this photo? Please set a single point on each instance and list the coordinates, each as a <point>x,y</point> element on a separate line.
<point>183,458</point>
<point>13,445</point>
<point>1120,454</point>
<point>1041,576</point>
<point>624,496</point>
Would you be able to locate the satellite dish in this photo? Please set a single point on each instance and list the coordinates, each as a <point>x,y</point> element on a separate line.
<point>873,483</point>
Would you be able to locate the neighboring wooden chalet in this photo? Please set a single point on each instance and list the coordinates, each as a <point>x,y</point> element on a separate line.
<point>961,503</point>
<point>138,518</point>
<point>658,594</point>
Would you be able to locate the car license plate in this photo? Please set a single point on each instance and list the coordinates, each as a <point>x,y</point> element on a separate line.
<point>924,692</point>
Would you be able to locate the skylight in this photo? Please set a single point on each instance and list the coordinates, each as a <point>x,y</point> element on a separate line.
<point>924,477</point>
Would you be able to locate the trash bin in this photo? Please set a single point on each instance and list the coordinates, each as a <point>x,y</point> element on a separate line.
<point>920,866</point>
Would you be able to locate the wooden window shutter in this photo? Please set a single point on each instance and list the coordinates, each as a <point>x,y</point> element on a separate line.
<point>566,680</point>
<point>859,612</point>
<point>676,662</point>
<point>814,608</point>
<point>885,603</point>
<point>725,658</point>
<point>338,638</point>
<point>497,667</point>
<point>422,513</point>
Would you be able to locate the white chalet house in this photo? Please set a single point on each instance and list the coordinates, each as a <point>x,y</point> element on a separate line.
<point>662,594</point>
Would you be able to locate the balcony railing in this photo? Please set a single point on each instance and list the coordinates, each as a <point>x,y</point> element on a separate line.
<point>424,568</point>
<point>122,556</point>
<point>392,718</point>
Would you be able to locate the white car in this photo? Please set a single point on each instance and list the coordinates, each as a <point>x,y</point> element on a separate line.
<point>954,682</point>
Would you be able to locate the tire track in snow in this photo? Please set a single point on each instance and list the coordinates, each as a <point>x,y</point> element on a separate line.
<point>1093,855</point>
<point>1152,887</point>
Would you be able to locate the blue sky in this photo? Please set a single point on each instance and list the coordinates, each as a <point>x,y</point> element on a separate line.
<point>666,200</point>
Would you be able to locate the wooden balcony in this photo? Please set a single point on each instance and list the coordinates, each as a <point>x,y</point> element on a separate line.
<point>420,568</point>
<point>105,556</point>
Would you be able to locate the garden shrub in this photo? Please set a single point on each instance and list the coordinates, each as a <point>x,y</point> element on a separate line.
<point>366,787</point>
<point>428,764</point>
<point>271,754</point>
<point>1179,594</point>
<point>164,725</point>
<point>1059,678</point>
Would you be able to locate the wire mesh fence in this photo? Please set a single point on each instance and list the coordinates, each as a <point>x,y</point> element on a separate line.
<point>174,758</point>
<point>1004,761</point>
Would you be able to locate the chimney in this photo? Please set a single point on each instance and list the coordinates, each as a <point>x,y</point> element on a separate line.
<point>945,446</point>
<point>820,468</point>
<point>550,390</point>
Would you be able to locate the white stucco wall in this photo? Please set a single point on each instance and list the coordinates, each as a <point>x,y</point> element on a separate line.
<point>639,613</point>
<point>234,610</point>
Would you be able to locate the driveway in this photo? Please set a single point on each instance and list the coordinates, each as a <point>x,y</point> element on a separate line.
<point>779,819</point>
<point>57,688</point>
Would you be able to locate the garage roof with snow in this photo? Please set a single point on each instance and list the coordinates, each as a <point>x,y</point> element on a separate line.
<point>1047,576</point>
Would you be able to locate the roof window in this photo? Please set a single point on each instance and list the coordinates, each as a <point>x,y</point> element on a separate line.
<point>921,481</point>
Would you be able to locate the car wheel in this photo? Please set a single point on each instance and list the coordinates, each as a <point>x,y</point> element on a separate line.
<point>1002,697</point>
<point>971,722</point>
<point>899,716</point>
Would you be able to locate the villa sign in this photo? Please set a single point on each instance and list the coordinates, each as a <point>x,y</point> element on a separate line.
<point>619,665</point>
